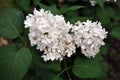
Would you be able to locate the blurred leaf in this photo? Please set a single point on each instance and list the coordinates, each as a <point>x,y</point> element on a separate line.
<point>75,7</point>
<point>43,6</point>
<point>36,2</point>
<point>25,5</point>
<point>14,63</point>
<point>75,19</point>
<point>72,0</point>
<point>100,3</point>
<point>52,8</point>
<point>11,22</point>
<point>115,32</point>
<point>88,68</point>
<point>65,8</point>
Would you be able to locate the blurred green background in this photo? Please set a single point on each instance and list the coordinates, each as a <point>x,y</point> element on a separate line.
<point>108,13</point>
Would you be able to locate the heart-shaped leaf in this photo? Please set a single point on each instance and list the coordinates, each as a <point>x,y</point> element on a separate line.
<point>88,68</point>
<point>11,22</point>
<point>14,63</point>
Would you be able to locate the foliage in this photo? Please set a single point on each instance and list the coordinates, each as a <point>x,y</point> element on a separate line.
<point>19,61</point>
<point>85,68</point>
<point>11,21</point>
<point>14,63</point>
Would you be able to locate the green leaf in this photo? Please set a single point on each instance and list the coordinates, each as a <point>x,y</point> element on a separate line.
<point>25,5</point>
<point>75,7</point>
<point>66,8</point>
<point>14,63</point>
<point>52,8</point>
<point>115,32</point>
<point>36,2</point>
<point>63,8</point>
<point>88,68</point>
<point>100,3</point>
<point>11,22</point>
<point>43,6</point>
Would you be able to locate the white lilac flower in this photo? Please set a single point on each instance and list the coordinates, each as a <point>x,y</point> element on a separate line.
<point>89,36</point>
<point>50,34</point>
<point>58,39</point>
<point>93,2</point>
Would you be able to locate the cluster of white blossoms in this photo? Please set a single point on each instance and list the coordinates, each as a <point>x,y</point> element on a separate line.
<point>93,2</point>
<point>89,36</point>
<point>52,35</point>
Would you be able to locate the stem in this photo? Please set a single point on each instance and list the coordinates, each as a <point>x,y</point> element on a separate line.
<point>22,39</point>
<point>68,74</point>
<point>67,68</point>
